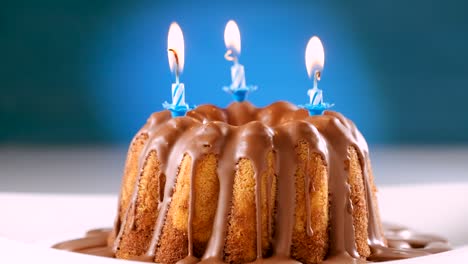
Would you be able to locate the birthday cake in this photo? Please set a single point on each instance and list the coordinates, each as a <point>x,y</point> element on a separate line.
<point>279,184</point>
<point>242,184</point>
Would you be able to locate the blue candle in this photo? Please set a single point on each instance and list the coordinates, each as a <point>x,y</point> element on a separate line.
<point>238,87</point>
<point>178,94</point>
<point>176,54</point>
<point>315,59</point>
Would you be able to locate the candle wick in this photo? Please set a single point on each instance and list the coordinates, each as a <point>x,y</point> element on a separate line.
<point>229,56</point>
<point>317,75</point>
<point>176,59</point>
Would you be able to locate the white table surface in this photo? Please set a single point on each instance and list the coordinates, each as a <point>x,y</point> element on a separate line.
<point>414,206</point>
<point>92,169</point>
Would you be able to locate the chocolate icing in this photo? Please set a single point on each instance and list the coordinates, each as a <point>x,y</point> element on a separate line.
<point>243,131</point>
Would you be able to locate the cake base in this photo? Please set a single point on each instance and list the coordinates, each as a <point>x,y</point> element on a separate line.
<point>402,243</point>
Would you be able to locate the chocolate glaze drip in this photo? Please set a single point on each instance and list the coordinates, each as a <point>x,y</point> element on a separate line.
<point>243,131</point>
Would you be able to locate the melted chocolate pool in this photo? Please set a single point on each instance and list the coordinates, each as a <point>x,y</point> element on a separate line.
<point>402,243</point>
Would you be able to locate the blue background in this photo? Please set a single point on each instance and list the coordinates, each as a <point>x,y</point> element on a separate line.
<point>92,71</point>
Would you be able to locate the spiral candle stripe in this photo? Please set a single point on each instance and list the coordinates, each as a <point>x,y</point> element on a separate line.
<point>236,81</point>
<point>238,76</point>
<point>315,96</point>
<point>178,94</point>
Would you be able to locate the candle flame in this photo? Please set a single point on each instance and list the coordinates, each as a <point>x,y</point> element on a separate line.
<point>232,38</point>
<point>175,48</point>
<point>314,57</point>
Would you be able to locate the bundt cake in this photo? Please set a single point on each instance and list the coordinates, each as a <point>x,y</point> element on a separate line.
<point>243,183</point>
<point>246,184</point>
